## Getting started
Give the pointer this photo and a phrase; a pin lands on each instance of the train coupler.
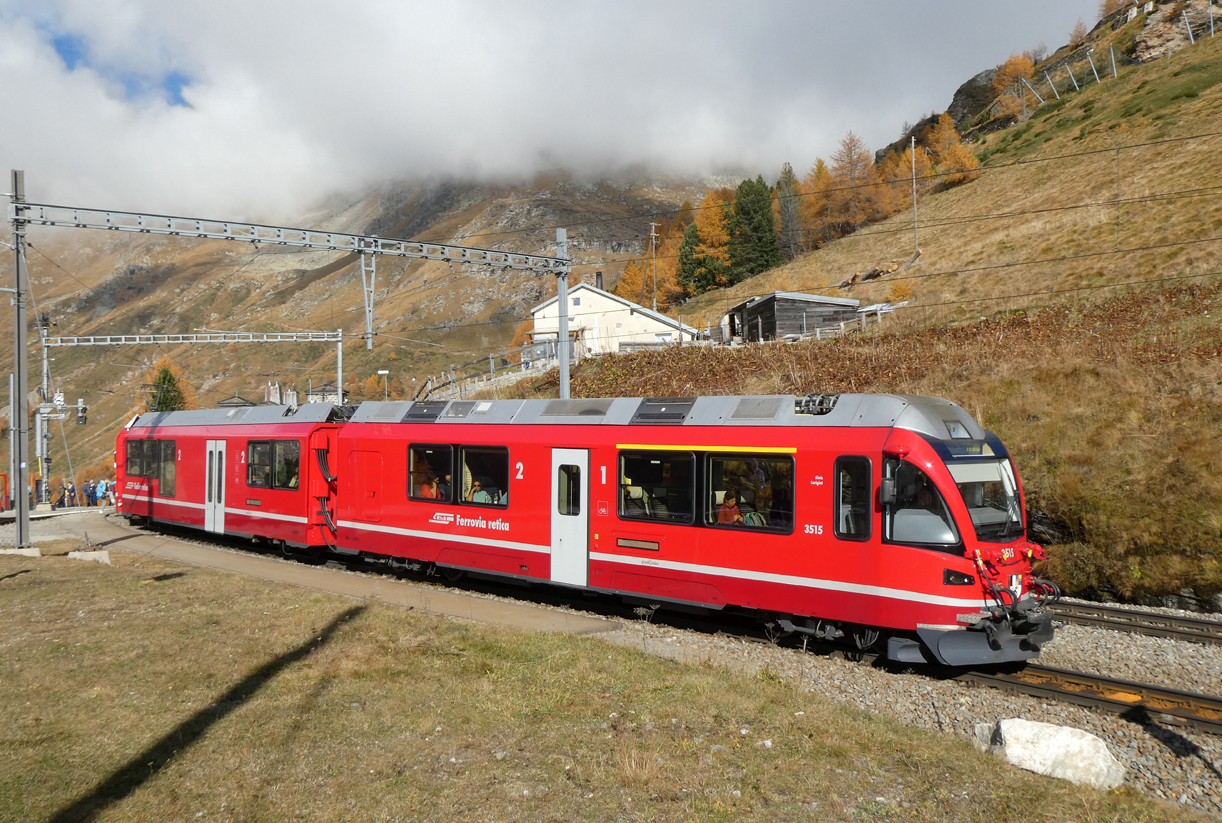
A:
(990, 641)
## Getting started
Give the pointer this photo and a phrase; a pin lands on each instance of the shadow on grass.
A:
(130, 776)
(115, 540)
(15, 574)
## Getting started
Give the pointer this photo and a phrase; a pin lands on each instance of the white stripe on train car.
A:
(162, 501)
(791, 580)
(478, 540)
(286, 518)
(186, 504)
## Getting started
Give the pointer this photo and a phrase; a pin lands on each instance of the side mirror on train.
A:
(886, 491)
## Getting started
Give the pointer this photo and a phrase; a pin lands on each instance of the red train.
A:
(890, 521)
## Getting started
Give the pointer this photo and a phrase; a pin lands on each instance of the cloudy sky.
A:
(255, 109)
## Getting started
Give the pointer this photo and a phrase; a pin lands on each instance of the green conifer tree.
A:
(686, 272)
(753, 236)
(165, 394)
(789, 204)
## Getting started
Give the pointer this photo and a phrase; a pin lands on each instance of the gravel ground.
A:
(1167, 762)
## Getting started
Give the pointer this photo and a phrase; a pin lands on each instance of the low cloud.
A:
(287, 101)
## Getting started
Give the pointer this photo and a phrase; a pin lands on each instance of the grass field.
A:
(146, 691)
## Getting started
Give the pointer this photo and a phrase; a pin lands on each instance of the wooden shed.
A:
(785, 314)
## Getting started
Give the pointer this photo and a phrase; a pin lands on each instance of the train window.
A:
(853, 495)
(135, 458)
(169, 462)
(273, 464)
(286, 463)
(485, 475)
(144, 458)
(430, 469)
(569, 485)
(919, 516)
(657, 486)
(259, 464)
(749, 492)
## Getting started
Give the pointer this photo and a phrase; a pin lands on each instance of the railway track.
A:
(1137, 702)
(1191, 629)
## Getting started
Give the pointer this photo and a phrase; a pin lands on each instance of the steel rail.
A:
(1191, 629)
(1139, 702)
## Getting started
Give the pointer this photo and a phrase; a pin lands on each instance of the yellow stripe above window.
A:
(749, 449)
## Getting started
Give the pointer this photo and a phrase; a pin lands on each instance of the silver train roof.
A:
(931, 416)
(244, 415)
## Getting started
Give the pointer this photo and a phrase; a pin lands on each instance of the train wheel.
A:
(453, 575)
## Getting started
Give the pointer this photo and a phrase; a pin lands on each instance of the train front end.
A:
(950, 488)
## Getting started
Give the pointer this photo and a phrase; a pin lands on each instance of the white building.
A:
(602, 323)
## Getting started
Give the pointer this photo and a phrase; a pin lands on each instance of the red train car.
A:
(241, 471)
(895, 522)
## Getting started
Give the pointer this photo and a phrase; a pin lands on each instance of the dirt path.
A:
(107, 536)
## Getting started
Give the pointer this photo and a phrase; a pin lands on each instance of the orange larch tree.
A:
(857, 196)
(631, 284)
(816, 211)
(712, 253)
(1016, 68)
(958, 166)
(1077, 36)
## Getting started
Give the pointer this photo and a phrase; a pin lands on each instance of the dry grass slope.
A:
(155, 692)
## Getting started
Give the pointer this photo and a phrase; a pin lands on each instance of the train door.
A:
(365, 471)
(570, 516)
(214, 487)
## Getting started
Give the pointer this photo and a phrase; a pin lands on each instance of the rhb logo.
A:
(442, 519)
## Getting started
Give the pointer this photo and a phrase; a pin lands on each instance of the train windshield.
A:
(991, 495)
(918, 516)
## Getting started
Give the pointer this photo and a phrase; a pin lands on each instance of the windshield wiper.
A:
(1010, 518)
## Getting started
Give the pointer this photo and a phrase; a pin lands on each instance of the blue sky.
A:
(73, 50)
(248, 109)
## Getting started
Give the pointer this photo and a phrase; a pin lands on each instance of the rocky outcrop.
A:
(1165, 32)
(971, 98)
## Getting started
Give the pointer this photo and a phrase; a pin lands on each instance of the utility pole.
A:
(562, 305)
(339, 367)
(916, 245)
(42, 417)
(12, 439)
(21, 401)
(653, 245)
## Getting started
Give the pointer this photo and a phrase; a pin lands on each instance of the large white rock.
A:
(1057, 751)
(96, 557)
